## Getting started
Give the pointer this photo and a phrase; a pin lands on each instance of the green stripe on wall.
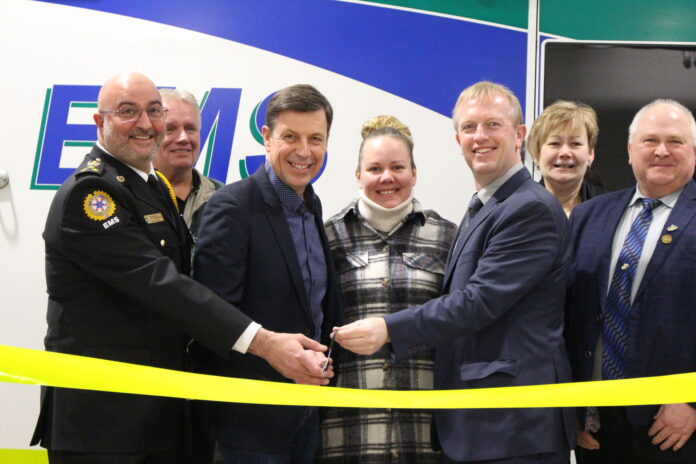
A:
(78, 143)
(640, 20)
(17, 456)
(507, 12)
(83, 104)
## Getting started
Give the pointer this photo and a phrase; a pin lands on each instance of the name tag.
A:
(153, 218)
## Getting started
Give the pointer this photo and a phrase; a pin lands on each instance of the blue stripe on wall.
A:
(423, 58)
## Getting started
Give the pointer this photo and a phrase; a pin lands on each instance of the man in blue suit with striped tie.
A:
(632, 299)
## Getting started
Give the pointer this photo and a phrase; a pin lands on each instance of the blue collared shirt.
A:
(300, 214)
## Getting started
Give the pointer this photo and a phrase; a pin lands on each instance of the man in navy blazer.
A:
(661, 320)
(263, 248)
(499, 320)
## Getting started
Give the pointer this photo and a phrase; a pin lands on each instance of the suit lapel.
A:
(611, 222)
(682, 214)
(463, 235)
(281, 231)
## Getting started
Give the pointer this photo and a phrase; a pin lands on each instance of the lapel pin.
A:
(666, 239)
(672, 228)
(120, 178)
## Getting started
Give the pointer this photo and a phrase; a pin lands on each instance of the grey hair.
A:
(182, 95)
(663, 101)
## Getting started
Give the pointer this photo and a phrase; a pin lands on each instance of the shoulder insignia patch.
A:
(93, 166)
(99, 206)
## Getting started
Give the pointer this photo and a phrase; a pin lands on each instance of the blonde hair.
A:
(387, 126)
(560, 115)
(488, 90)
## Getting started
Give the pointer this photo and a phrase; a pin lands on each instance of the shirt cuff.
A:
(244, 340)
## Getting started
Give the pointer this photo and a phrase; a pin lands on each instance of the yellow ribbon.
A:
(21, 365)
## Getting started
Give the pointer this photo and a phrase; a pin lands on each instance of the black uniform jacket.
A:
(116, 257)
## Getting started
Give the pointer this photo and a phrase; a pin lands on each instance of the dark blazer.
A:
(662, 325)
(499, 323)
(115, 291)
(245, 253)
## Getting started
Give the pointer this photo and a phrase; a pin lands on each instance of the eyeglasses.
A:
(132, 113)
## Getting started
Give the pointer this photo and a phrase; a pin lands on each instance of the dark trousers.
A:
(304, 445)
(73, 457)
(620, 442)
(559, 457)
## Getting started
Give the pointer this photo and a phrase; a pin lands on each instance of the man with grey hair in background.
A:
(631, 307)
(178, 154)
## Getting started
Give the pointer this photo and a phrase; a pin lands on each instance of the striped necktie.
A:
(475, 205)
(617, 308)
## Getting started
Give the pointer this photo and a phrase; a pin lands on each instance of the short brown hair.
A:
(302, 98)
(487, 89)
(559, 115)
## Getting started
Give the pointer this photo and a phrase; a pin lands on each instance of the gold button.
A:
(162, 242)
(388, 410)
(385, 282)
(385, 247)
(624, 266)
(385, 366)
(394, 453)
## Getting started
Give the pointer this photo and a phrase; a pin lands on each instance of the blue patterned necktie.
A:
(618, 304)
(475, 204)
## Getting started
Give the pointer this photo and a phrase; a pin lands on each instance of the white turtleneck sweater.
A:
(383, 219)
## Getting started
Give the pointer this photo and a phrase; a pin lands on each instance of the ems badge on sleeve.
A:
(99, 206)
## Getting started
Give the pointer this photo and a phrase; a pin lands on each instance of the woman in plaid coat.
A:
(390, 254)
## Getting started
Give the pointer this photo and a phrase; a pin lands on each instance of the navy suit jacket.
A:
(662, 337)
(499, 323)
(245, 254)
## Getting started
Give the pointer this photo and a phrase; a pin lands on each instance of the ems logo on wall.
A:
(68, 132)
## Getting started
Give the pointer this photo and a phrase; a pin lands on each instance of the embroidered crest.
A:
(99, 206)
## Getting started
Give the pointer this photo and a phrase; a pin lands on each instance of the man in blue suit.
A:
(263, 248)
(499, 320)
(632, 298)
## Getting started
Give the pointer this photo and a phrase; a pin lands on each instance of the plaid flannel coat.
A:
(381, 274)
